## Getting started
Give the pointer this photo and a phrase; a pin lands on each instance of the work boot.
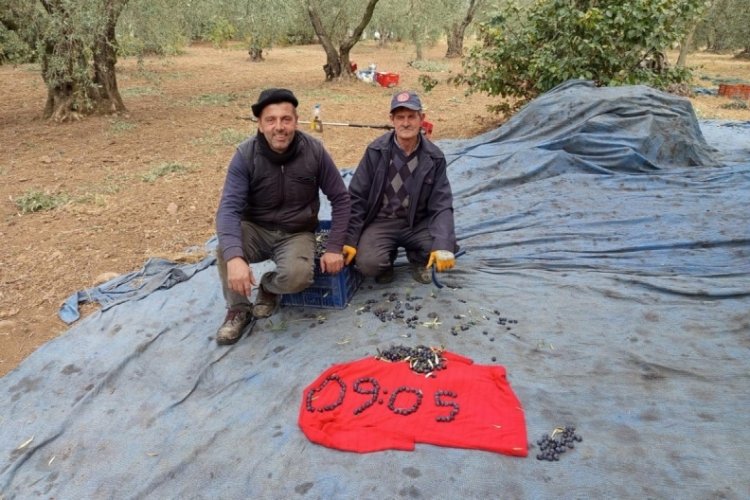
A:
(234, 324)
(421, 273)
(265, 304)
(385, 277)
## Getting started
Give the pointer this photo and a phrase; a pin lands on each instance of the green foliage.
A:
(215, 99)
(225, 137)
(429, 66)
(152, 28)
(136, 91)
(427, 82)
(231, 137)
(39, 201)
(257, 22)
(725, 26)
(736, 104)
(221, 32)
(120, 126)
(13, 49)
(164, 169)
(67, 46)
(526, 52)
(21, 23)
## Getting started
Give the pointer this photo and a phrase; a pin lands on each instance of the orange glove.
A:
(349, 254)
(442, 260)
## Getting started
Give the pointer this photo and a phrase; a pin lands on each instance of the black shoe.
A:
(265, 304)
(234, 324)
(422, 274)
(385, 277)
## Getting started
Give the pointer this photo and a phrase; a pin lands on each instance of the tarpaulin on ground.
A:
(607, 269)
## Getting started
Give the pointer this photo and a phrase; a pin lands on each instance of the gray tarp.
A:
(597, 218)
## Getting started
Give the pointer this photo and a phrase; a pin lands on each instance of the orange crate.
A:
(739, 90)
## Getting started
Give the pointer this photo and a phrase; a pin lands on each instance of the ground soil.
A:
(189, 111)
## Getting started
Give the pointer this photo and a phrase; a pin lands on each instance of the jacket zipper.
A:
(281, 195)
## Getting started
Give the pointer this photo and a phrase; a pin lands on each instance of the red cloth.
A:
(489, 416)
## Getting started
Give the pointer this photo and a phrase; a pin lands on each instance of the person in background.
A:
(401, 197)
(269, 210)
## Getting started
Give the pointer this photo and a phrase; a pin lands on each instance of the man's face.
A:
(277, 123)
(407, 123)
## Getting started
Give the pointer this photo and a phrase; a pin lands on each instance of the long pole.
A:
(333, 124)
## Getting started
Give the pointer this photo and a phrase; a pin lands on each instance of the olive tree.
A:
(725, 27)
(20, 28)
(455, 29)
(421, 22)
(525, 52)
(261, 24)
(339, 26)
(78, 53)
(149, 27)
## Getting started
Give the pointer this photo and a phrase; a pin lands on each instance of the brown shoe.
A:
(265, 304)
(422, 274)
(385, 277)
(234, 324)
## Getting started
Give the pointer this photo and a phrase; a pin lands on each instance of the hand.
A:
(442, 259)
(239, 276)
(349, 254)
(331, 262)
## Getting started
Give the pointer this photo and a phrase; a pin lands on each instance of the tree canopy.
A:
(527, 51)
(725, 27)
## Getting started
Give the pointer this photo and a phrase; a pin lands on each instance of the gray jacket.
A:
(431, 195)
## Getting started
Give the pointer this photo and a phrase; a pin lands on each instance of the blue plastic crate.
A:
(328, 291)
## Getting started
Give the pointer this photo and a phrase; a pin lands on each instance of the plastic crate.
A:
(387, 79)
(328, 291)
(737, 91)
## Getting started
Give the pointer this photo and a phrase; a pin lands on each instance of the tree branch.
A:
(350, 41)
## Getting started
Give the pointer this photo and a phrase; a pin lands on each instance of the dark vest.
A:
(285, 196)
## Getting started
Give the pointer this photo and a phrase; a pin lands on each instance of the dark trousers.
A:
(381, 239)
(293, 253)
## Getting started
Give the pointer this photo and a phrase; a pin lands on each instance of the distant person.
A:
(401, 197)
(269, 210)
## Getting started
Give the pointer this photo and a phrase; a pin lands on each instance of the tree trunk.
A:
(457, 31)
(76, 84)
(685, 46)
(455, 42)
(416, 34)
(104, 91)
(337, 64)
(417, 41)
(256, 53)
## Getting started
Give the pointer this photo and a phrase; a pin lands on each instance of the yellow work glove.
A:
(442, 260)
(349, 254)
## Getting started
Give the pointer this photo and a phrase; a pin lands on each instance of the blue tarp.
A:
(608, 223)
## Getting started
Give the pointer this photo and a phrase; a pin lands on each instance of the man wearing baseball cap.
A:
(401, 197)
(269, 210)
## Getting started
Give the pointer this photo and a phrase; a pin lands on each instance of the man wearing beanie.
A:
(269, 210)
(401, 197)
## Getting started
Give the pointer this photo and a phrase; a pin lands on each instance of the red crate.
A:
(740, 90)
(386, 79)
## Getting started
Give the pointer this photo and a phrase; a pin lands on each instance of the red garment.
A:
(488, 417)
